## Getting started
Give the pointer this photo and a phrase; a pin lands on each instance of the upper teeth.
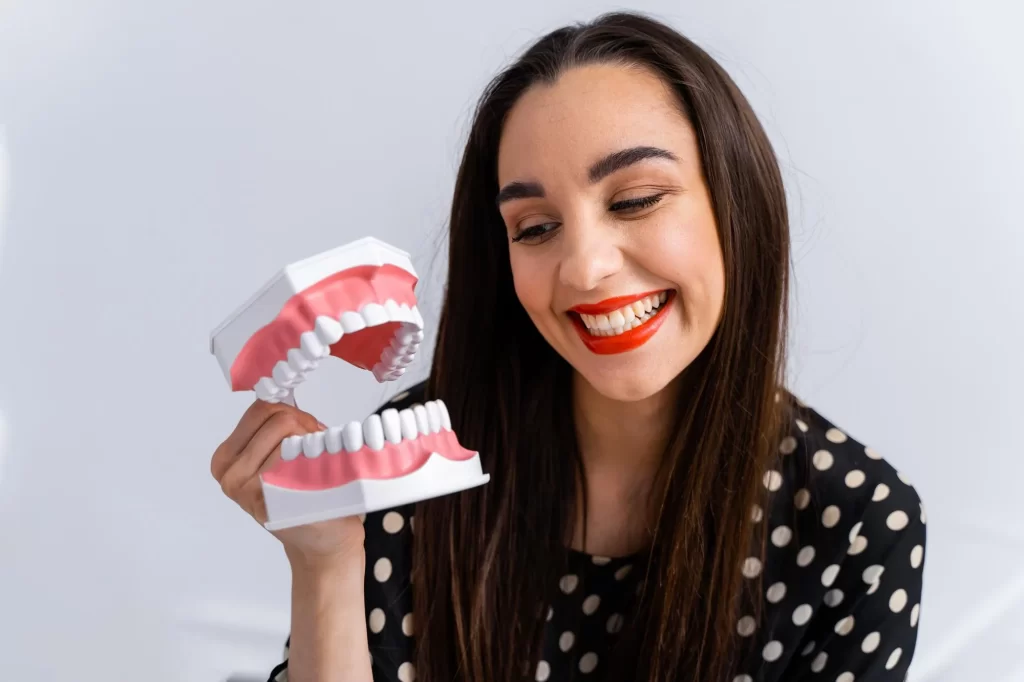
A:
(316, 344)
(625, 318)
(390, 426)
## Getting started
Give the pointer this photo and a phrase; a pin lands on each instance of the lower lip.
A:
(626, 341)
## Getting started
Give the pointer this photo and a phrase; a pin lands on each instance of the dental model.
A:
(355, 302)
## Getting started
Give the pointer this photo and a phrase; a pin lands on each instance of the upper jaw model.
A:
(357, 303)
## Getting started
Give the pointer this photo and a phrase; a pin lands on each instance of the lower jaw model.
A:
(357, 303)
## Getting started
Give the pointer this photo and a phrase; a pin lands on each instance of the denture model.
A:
(355, 302)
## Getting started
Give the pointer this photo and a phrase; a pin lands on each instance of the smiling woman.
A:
(612, 343)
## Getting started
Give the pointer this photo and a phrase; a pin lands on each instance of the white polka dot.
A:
(802, 614)
(772, 480)
(743, 678)
(788, 445)
(845, 626)
(874, 588)
(802, 425)
(897, 520)
(551, 613)
(566, 641)
(382, 569)
(781, 536)
(393, 522)
(881, 492)
(756, 513)
(858, 545)
(855, 530)
(776, 593)
(830, 517)
(807, 649)
(916, 555)
(845, 677)
(833, 598)
(903, 477)
(600, 560)
(924, 516)
(873, 573)
(818, 664)
(376, 620)
(568, 583)
(772, 650)
(834, 435)
(855, 479)
(614, 623)
(543, 671)
(822, 460)
(802, 498)
(805, 556)
(412, 524)
(623, 572)
(746, 626)
(914, 614)
(829, 575)
(751, 567)
(894, 658)
(588, 662)
(406, 673)
(870, 642)
(872, 453)
(898, 600)
(590, 604)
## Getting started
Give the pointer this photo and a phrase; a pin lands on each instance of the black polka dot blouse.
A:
(842, 576)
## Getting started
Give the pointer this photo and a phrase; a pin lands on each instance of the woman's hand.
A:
(255, 446)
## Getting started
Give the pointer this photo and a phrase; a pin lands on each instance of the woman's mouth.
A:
(621, 324)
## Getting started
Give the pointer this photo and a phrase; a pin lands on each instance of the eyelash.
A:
(625, 205)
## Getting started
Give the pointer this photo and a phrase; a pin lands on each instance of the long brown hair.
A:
(486, 561)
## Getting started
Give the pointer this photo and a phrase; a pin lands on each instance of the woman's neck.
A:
(621, 444)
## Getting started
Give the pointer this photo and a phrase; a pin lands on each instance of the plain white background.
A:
(165, 158)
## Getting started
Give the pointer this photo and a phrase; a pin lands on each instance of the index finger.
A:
(255, 416)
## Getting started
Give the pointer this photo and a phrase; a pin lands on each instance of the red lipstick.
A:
(628, 340)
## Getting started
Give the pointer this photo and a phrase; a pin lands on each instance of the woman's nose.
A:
(588, 257)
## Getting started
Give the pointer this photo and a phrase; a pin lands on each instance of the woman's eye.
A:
(640, 203)
(534, 232)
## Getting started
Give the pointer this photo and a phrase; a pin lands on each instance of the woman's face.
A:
(614, 249)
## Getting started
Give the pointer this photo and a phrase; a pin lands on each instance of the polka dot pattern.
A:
(837, 573)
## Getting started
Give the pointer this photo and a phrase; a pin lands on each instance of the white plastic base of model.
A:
(287, 508)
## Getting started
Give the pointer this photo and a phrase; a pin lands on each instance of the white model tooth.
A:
(352, 436)
(313, 444)
(433, 416)
(422, 422)
(333, 440)
(408, 421)
(406, 312)
(417, 319)
(392, 425)
(284, 375)
(446, 419)
(352, 322)
(405, 360)
(407, 335)
(374, 314)
(373, 432)
(312, 347)
(388, 357)
(393, 310)
(291, 447)
(266, 389)
(327, 330)
(299, 362)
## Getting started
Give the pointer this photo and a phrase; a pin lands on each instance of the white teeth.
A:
(394, 311)
(313, 444)
(408, 421)
(638, 309)
(299, 362)
(392, 425)
(374, 314)
(291, 447)
(352, 322)
(284, 375)
(616, 320)
(311, 346)
(625, 318)
(328, 330)
(663, 296)
(373, 432)
(433, 417)
(446, 420)
(422, 421)
(333, 440)
(266, 389)
(352, 436)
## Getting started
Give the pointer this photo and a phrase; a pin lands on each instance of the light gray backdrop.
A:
(165, 158)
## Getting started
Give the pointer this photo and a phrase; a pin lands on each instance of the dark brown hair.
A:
(486, 561)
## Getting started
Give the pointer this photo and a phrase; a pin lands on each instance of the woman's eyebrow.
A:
(597, 172)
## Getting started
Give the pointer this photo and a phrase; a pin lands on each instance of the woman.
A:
(659, 507)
